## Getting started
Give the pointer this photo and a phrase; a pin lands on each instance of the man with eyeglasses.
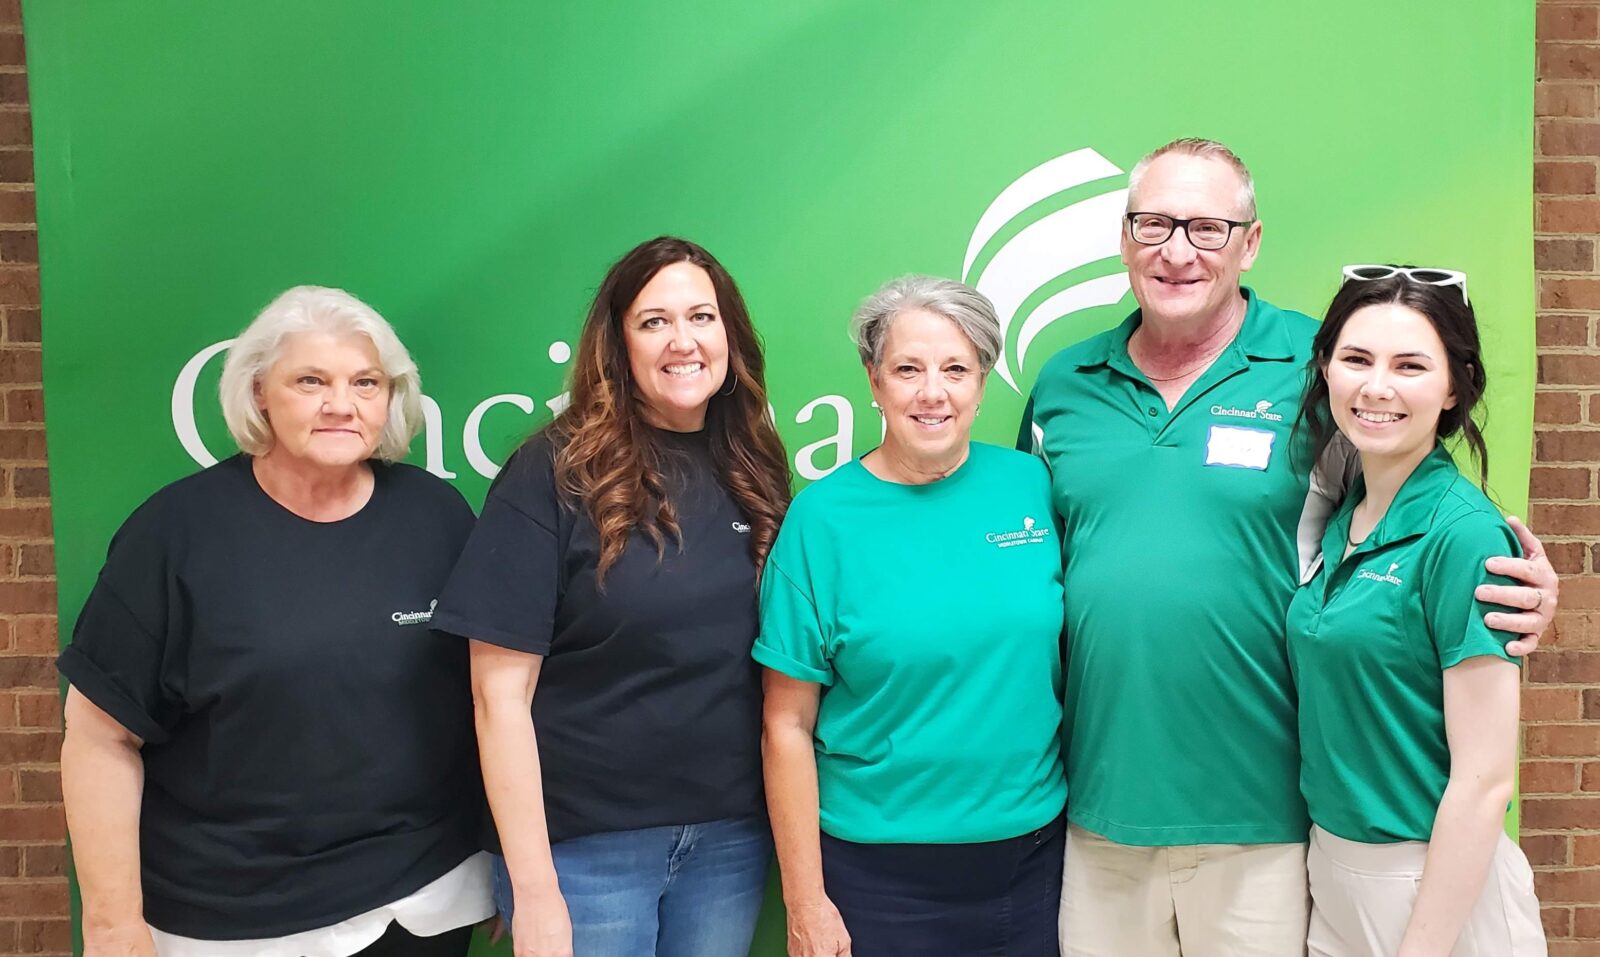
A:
(1188, 510)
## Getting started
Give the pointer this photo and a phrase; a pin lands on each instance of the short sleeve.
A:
(792, 640)
(504, 587)
(129, 645)
(1453, 572)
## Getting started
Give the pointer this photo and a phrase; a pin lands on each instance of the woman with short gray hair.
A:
(911, 733)
(268, 754)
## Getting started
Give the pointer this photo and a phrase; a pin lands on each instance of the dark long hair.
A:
(607, 458)
(1451, 317)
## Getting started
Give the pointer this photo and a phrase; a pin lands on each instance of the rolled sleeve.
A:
(792, 639)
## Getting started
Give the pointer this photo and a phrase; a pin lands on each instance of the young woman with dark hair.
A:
(609, 592)
(1407, 700)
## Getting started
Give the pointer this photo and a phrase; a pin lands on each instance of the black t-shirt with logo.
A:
(309, 751)
(648, 708)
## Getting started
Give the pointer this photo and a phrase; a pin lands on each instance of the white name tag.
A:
(1240, 448)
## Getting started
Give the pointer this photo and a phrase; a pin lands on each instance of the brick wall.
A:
(1561, 698)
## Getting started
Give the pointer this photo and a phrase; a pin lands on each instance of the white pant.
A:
(1193, 900)
(1362, 895)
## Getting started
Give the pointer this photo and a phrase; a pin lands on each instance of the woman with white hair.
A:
(267, 752)
(911, 617)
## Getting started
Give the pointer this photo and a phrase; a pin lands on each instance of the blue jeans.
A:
(692, 890)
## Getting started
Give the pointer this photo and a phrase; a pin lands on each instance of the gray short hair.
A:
(969, 309)
(1205, 149)
(333, 312)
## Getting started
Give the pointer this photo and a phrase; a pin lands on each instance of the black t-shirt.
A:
(309, 751)
(648, 708)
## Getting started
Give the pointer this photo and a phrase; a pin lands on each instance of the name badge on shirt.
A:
(1235, 447)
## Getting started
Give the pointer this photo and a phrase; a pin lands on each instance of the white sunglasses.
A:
(1425, 275)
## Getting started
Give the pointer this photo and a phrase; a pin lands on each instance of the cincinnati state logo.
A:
(1028, 534)
(1041, 262)
(1261, 411)
(414, 617)
(1387, 577)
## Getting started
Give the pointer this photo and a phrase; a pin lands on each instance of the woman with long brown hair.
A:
(609, 592)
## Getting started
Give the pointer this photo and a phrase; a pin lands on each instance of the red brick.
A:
(1545, 850)
(1554, 369)
(1574, 61)
(1548, 482)
(10, 861)
(1557, 137)
(35, 899)
(39, 561)
(39, 597)
(39, 710)
(1557, 408)
(8, 788)
(25, 522)
(1554, 293)
(1567, 23)
(1554, 329)
(1554, 666)
(22, 325)
(1589, 776)
(44, 860)
(39, 787)
(45, 936)
(22, 246)
(1557, 921)
(1563, 99)
(1577, 628)
(11, 12)
(1567, 886)
(41, 823)
(1566, 557)
(1558, 255)
(36, 634)
(25, 405)
(1540, 777)
(31, 483)
(1561, 178)
(1586, 922)
(1579, 595)
(1560, 740)
(21, 366)
(1568, 446)
(1550, 704)
(1557, 215)
(16, 166)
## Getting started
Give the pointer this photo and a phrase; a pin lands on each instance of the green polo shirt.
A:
(931, 616)
(1180, 533)
(1370, 637)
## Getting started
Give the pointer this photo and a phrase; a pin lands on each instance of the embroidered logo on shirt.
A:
(1259, 412)
(741, 527)
(1026, 535)
(1387, 576)
(414, 617)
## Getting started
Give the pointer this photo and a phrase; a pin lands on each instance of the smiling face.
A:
(928, 385)
(326, 399)
(677, 347)
(1388, 382)
(1174, 282)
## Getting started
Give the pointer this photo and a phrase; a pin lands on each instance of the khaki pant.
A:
(1199, 900)
(1362, 896)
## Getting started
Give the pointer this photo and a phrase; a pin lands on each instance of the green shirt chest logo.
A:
(1387, 577)
(1028, 534)
(1261, 412)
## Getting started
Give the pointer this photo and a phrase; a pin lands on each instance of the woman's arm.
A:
(789, 763)
(102, 784)
(1480, 713)
(503, 682)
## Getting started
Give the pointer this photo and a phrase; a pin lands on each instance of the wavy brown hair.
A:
(608, 458)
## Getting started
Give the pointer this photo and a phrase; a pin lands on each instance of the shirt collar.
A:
(1260, 336)
(1411, 513)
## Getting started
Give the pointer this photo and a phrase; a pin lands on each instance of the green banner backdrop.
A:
(471, 170)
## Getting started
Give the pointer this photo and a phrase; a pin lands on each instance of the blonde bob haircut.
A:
(333, 312)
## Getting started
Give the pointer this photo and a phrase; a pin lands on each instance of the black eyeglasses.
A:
(1206, 232)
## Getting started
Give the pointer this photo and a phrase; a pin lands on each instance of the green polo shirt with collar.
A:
(1370, 637)
(1180, 545)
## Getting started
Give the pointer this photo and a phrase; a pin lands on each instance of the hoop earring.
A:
(735, 387)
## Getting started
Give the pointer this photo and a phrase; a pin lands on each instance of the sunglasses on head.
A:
(1426, 275)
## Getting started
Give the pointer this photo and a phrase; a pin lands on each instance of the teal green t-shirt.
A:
(1370, 637)
(1182, 533)
(931, 616)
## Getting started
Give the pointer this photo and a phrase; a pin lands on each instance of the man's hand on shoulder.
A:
(1536, 594)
